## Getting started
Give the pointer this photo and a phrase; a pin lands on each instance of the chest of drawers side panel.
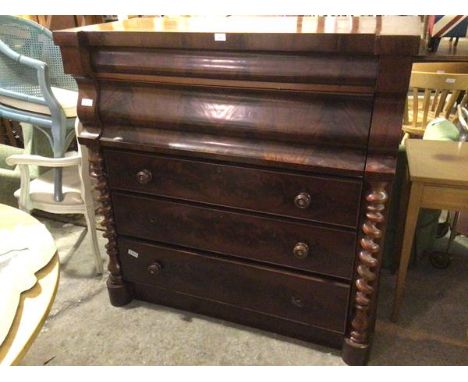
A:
(384, 137)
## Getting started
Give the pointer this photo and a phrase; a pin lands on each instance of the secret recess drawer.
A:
(321, 199)
(297, 245)
(311, 68)
(304, 299)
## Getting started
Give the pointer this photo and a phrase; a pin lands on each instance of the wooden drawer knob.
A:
(144, 176)
(155, 268)
(302, 200)
(297, 301)
(301, 250)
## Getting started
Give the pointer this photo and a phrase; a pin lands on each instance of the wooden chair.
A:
(435, 90)
(39, 193)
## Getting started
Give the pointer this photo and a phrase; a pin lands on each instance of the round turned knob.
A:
(302, 200)
(297, 301)
(154, 268)
(301, 250)
(144, 176)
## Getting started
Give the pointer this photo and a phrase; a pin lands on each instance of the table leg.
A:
(400, 223)
(453, 231)
(410, 227)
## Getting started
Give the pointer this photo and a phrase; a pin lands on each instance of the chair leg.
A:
(91, 224)
(75, 246)
(404, 139)
(23, 207)
(58, 194)
(58, 141)
(88, 202)
(453, 231)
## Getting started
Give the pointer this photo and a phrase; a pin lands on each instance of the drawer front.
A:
(319, 199)
(315, 118)
(297, 245)
(311, 68)
(282, 294)
(444, 197)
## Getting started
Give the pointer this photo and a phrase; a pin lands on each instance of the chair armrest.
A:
(7, 151)
(27, 159)
(42, 70)
(28, 61)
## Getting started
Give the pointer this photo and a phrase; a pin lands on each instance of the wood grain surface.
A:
(238, 156)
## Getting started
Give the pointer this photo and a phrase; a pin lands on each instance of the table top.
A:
(379, 25)
(33, 309)
(29, 273)
(367, 35)
(438, 162)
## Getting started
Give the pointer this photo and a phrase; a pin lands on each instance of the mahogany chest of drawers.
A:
(244, 165)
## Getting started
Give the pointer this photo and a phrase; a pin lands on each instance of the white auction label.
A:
(220, 36)
(86, 102)
(133, 253)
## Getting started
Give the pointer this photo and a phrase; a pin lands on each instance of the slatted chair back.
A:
(435, 91)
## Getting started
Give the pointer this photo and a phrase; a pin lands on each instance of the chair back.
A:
(32, 40)
(435, 90)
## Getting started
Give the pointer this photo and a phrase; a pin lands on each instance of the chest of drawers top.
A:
(281, 91)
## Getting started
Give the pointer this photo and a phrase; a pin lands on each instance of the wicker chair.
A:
(33, 86)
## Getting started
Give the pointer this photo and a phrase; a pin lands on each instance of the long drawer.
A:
(298, 298)
(311, 68)
(321, 199)
(297, 245)
(296, 117)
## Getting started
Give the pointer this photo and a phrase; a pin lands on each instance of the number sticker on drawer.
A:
(133, 253)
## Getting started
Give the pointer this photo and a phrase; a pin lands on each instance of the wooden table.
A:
(438, 174)
(32, 306)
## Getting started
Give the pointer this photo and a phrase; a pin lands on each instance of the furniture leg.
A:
(453, 231)
(410, 227)
(91, 224)
(9, 131)
(402, 208)
(58, 136)
(58, 196)
(90, 216)
(76, 245)
(356, 344)
(119, 291)
(441, 259)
